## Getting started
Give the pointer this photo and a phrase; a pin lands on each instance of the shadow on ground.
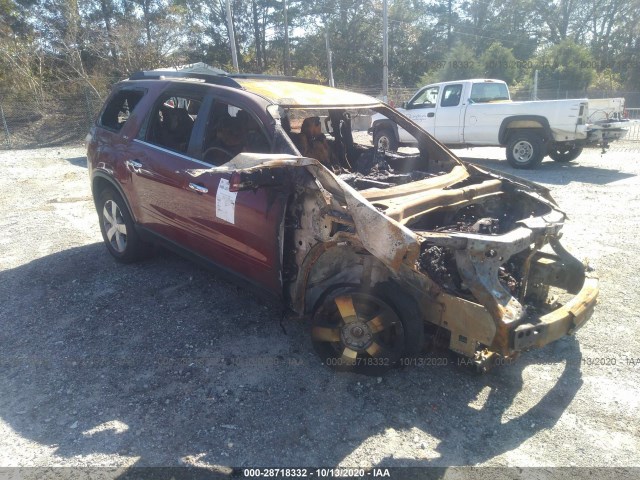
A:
(555, 173)
(78, 161)
(165, 363)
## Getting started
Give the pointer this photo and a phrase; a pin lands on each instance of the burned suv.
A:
(275, 180)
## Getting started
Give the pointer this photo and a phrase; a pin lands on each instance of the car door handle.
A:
(431, 114)
(198, 188)
(134, 165)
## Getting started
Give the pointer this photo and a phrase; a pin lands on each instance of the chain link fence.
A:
(63, 113)
(54, 117)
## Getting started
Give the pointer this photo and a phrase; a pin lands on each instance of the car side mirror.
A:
(404, 105)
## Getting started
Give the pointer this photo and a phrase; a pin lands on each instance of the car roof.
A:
(469, 80)
(288, 92)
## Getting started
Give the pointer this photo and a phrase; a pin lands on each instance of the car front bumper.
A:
(560, 322)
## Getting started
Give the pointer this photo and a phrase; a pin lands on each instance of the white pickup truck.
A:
(479, 112)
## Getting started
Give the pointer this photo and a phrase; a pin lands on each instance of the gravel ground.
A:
(163, 363)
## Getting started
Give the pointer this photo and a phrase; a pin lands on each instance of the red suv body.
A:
(270, 180)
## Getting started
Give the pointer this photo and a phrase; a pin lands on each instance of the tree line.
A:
(573, 45)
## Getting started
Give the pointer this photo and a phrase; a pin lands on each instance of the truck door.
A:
(422, 110)
(448, 121)
(482, 117)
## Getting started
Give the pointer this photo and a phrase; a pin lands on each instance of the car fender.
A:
(102, 176)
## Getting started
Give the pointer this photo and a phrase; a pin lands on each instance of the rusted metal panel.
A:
(295, 94)
(562, 321)
(492, 319)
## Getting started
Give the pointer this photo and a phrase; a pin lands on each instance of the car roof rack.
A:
(227, 80)
(218, 79)
(282, 78)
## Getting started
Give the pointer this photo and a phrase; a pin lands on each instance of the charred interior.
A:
(329, 136)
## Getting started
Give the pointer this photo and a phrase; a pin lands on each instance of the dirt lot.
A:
(164, 363)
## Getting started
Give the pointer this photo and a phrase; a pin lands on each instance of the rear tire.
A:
(564, 153)
(525, 150)
(366, 331)
(118, 229)
(385, 140)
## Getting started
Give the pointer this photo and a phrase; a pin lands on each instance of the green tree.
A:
(565, 67)
(499, 62)
(459, 64)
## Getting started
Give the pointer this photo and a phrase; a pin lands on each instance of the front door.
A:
(422, 110)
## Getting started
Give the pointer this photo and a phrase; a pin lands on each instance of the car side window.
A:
(231, 130)
(451, 95)
(425, 99)
(119, 108)
(171, 122)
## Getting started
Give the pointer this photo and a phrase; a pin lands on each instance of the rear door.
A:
(186, 202)
(448, 124)
(482, 118)
(157, 160)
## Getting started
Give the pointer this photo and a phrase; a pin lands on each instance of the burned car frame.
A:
(379, 252)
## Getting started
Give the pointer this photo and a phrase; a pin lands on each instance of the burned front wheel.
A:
(362, 331)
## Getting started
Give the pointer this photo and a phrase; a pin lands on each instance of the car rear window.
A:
(119, 108)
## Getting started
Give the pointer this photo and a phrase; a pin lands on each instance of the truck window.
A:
(451, 95)
(117, 111)
(425, 99)
(489, 92)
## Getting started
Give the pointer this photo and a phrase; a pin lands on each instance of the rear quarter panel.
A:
(483, 120)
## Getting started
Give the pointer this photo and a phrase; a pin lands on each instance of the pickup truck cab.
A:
(480, 112)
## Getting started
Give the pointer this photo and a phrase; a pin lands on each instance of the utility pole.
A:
(534, 94)
(385, 51)
(287, 57)
(449, 26)
(232, 37)
(329, 58)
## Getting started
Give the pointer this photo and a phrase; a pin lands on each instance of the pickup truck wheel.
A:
(564, 154)
(118, 230)
(525, 150)
(385, 140)
(366, 332)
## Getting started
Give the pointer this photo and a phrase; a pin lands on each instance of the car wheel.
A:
(384, 140)
(118, 230)
(525, 150)
(366, 331)
(565, 153)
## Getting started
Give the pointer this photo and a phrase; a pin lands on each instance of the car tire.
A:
(564, 153)
(525, 150)
(385, 140)
(366, 331)
(118, 229)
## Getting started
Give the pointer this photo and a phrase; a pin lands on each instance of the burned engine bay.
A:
(480, 249)
(432, 196)
(492, 216)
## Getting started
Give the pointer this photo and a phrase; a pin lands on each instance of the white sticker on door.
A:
(225, 202)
